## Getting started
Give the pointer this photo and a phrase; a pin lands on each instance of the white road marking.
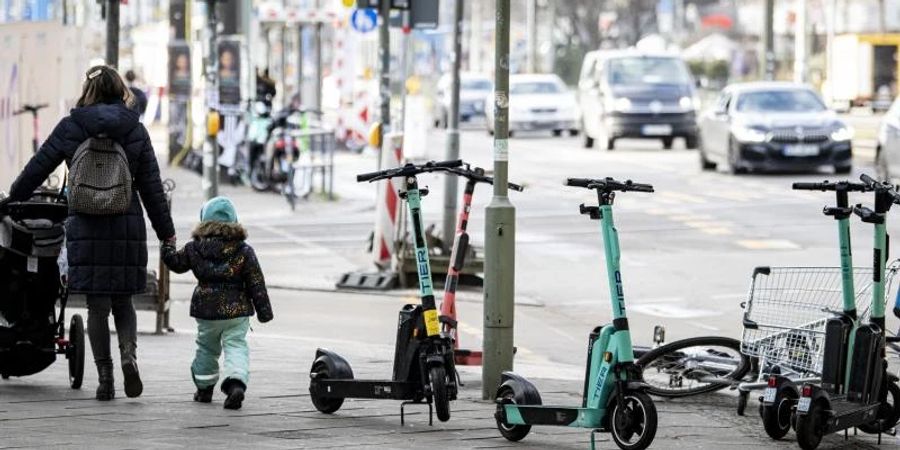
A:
(673, 311)
(768, 244)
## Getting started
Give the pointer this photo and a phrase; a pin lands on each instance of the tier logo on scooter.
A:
(620, 295)
(422, 259)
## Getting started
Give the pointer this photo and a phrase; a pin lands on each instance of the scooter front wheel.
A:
(512, 433)
(324, 405)
(888, 412)
(810, 427)
(439, 392)
(633, 421)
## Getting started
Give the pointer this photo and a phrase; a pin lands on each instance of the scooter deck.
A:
(467, 357)
(844, 414)
(375, 389)
(565, 416)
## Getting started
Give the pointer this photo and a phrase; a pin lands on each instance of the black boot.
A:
(133, 385)
(107, 388)
(204, 395)
(235, 391)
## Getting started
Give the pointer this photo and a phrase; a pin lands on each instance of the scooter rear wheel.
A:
(512, 433)
(777, 416)
(633, 424)
(324, 405)
(810, 427)
(438, 378)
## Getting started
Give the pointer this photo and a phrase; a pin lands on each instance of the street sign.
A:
(364, 20)
(423, 15)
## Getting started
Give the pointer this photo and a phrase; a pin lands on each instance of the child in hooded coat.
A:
(230, 286)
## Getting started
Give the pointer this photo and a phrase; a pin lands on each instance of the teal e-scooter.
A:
(777, 404)
(857, 396)
(613, 399)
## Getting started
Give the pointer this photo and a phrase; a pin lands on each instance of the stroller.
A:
(31, 333)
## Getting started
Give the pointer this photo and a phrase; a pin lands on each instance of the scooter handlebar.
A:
(609, 184)
(872, 184)
(452, 164)
(830, 186)
(409, 170)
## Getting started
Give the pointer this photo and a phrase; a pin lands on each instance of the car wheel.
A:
(573, 132)
(557, 133)
(734, 160)
(509, 133)
(667, 143)
(610, 144)
(692, 142)
(588, 141)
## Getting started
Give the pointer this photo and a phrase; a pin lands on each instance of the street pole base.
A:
(368, 281)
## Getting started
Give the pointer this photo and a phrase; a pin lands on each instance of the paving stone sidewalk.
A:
(42, 412)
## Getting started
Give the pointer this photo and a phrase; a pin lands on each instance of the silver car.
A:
(888, 146)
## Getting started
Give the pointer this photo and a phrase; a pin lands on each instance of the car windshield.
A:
(647, 70)
(535, 87)
(475, 85)
(781, 100)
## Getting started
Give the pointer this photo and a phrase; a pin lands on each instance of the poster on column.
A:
(179, 70)
(229, 72)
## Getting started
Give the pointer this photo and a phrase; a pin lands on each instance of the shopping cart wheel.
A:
(743, 398)
(75, 351)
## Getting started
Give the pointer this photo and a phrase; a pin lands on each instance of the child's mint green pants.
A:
(214, 336)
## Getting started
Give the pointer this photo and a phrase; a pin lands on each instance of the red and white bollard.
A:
(387, 210)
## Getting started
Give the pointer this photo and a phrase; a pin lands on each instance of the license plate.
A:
(656, 130)
(801, 150)
(803, 405)
(769, 395)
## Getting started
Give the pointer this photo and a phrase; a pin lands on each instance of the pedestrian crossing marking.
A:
(768, 244)
(682, 197)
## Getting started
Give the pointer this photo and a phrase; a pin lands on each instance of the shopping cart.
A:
(785, 316)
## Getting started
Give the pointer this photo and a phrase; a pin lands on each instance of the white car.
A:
(538, 102)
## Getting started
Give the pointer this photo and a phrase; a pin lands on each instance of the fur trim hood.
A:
(222, 230)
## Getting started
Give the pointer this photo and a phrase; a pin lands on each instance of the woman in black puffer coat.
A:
(107, 255)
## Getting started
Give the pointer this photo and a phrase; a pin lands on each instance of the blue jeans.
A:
(214, 336)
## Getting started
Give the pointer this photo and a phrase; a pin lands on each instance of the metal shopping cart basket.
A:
(785, 314)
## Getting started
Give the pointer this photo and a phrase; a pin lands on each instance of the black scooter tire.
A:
(438, 378)
(647, 360)
(513, 433)
(650, 418)
(259, 179)
(889, 414)
(777, 417)
(810, 427)
(324, 405)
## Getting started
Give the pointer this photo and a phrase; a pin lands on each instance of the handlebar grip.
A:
(810, 186)
(577, 182)
(639, 187)
(516, 187)
(368, 176)
(867, 180)
(448, 164)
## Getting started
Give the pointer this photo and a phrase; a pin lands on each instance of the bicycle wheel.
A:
(693, 366)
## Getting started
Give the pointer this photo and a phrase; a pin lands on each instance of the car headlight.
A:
(748, 134)
(843, 133)
(686, 103)
(622, 104)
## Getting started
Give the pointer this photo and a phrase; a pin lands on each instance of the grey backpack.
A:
(99, 178)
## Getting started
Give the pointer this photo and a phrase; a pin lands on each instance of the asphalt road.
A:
(688, 250)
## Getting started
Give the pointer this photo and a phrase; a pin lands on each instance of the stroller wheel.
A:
(75, 351)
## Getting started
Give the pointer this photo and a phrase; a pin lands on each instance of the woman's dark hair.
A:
(103, 84)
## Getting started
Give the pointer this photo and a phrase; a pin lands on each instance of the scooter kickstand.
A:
(593, 440)
(403, 412)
